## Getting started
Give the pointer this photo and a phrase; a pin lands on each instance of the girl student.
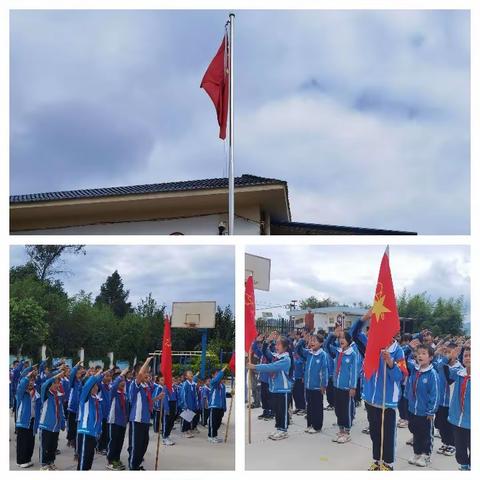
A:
(190, 401)
(161, 405)
(204, 394)
(89, 420)
(280, 385)
(76, 374)
(217, 405)
(345, 377)
(117, 421)
(315, 380)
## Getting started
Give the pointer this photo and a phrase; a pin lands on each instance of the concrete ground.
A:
(303, 451)
(188, 453)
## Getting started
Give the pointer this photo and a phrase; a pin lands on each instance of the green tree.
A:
(113, 294)
(314, 302)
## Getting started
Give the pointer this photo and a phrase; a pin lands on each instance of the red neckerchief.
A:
(417, 376)
(57, 409)
(149, 398)
(463, 390)
(121, 398)
(339, 362)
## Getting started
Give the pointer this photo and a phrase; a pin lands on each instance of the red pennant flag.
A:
(250, 327)
(231, 364)
(166, 362)
(385, 323)
(215, 82)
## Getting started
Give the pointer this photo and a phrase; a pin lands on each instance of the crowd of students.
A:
(427, 381)
(97, 408)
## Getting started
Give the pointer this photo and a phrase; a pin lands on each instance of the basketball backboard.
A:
(259, 267)
(193, 314)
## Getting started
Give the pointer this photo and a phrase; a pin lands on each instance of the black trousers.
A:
(215, 416)
(374, 415)
(169, 420)
(48, 446)
(138, 437)
(25, 444)
(422, 430)
(444, 426)
(330, 393)
(265, 397)
(344, 408)
(72, 427)
(86, 451)
(116, 437)
(314, 409)
(403, 406)
(205, 414)
(279, 402)
(103, 440)
(462, 445)
(358, 391)
(299, 394)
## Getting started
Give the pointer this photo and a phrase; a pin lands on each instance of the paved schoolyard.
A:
(303, 451)
(188, 454)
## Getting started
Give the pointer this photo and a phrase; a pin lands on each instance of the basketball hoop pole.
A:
(203, 362)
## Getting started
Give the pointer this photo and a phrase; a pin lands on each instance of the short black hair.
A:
(428, 348)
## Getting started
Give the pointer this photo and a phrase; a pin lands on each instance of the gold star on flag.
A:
(379, 309)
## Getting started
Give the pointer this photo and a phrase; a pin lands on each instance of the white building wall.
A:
(203, 225)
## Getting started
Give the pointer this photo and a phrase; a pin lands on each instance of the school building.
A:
(195, 207)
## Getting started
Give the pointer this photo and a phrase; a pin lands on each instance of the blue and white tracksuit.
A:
(217, 404)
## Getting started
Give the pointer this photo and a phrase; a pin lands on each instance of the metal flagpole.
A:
(231, 173)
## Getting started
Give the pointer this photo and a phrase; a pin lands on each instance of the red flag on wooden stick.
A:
(215, 83)
(250, 327)
(231, 364)
(166, 362)
(384, 323)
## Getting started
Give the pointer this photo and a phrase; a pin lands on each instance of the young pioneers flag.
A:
(231, 364)
(215, 83)
(250, 327)
(384, 323)
(166, 363)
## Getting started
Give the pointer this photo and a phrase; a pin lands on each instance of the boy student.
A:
(372, 394)
(52, 419)
(89, 420)
(422, 392)
(459, 412)
(204, 394)
(161, 405)
(76, 374)
(316, 380)
(117, 421)
(190, 402)
(104, 394)
(141, 408)
(298, 391)
(217, 404)
(280, 385)
(345, 377)
(28, 414)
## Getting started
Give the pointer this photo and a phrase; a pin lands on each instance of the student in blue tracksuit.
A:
(117, 422)
(315, 380)
(280, 385)
(217, 404)
(345, 377)
(298, 391)
(28, 414)
(372, 394)
(190, 400)
(104, 394)
(423, 395)
(89, 421)
(443, 361)
(52, 419)
(164, 409)
(459, 411)
(141, 408)
(76, 374)
(204, 394)
(258, 349)
(405, 340)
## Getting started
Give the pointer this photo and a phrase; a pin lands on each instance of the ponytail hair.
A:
(286, 345)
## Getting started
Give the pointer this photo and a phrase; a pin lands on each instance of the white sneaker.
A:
(188, 434)
(423, 461)
(402, 423)
(344, 438)
(45, 467)
(279, 435)
(312, 430)
(167, 441)
(25, 465)
(409, 441)
(307, 430)
(413, 460)
(337, 436)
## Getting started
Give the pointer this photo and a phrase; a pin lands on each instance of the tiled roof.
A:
(189, 185)
(298, 228)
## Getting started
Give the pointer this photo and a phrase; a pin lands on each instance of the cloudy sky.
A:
(364, 113)
(349, 273)
(170, 273)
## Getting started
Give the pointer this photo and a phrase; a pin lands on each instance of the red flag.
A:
(385, 323)
(250, 327)
(231, 364)
(215, 82)
(166, 363)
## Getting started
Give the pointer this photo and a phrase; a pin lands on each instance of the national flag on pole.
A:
(250, 327)
(166, 362)
(384, 323)
(215, 82)
(231, 364)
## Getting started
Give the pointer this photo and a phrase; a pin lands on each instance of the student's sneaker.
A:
(111, 466)
(167, 441)
(366, 430)
(437, 434)
(442, 449)
(423, 461)
(196, 430)
(58, 452)
(344, 438)
(270, 435)
(374, 467)
(449, 451)
(25, 465)
(188, 434)
(103, 452)
(45, 467)
(409, 441)
(307, 430)
(329, 408)
(464, 467)
(262, 416)
(295, 412)
(52, 466)
(75, 457)
(121, 465)
(279, 435)
(402, 423)
(336, 437)
(385, 467)
(413, 460)
(312, 430)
